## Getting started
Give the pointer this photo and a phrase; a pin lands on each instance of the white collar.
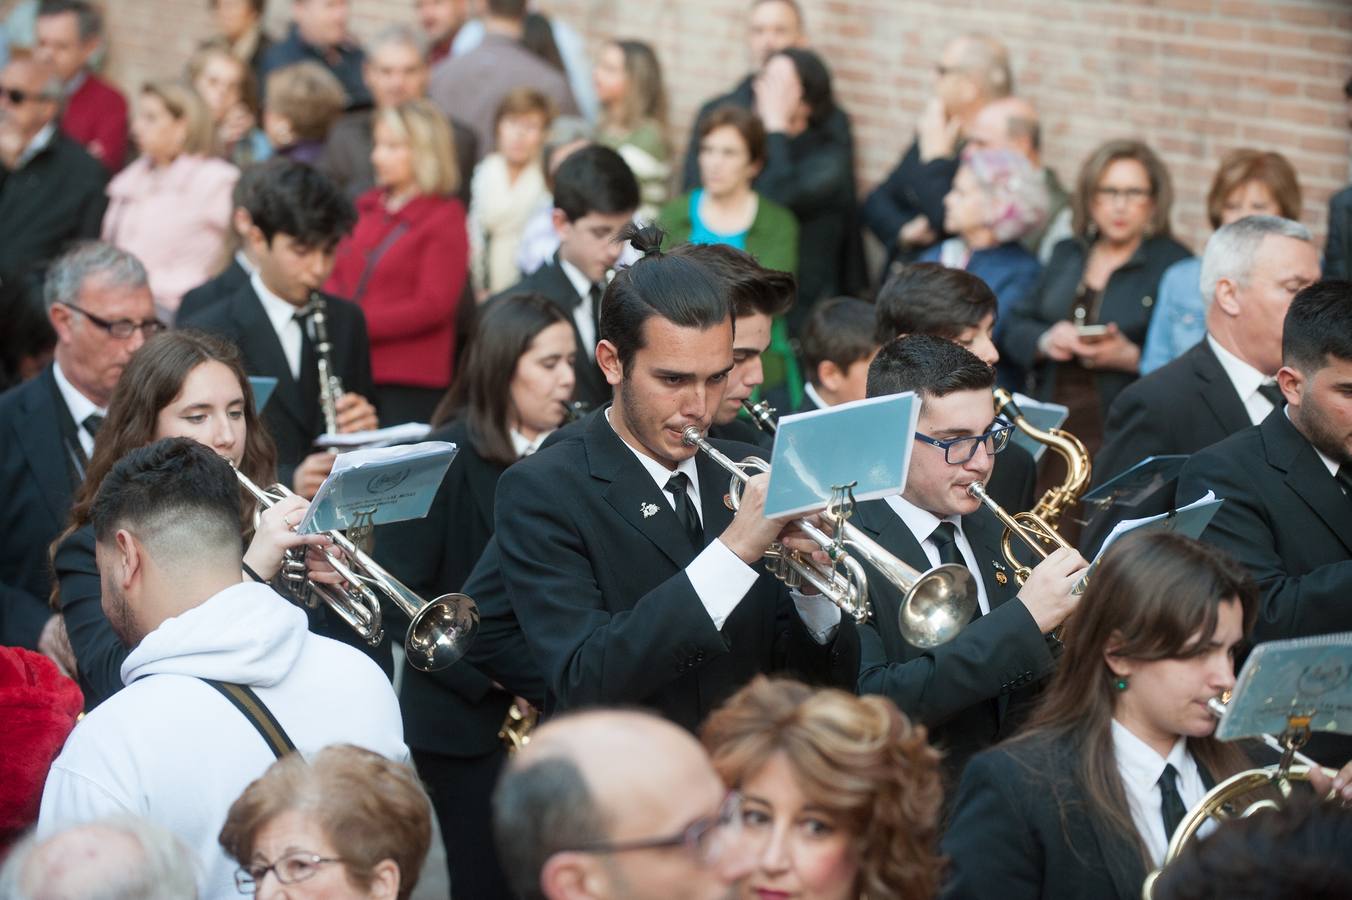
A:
(37, 144)
(72, 87)
(659, 473)
(580, 282)
(920, 522)
(245, 263)
(1141, 764)
(1243, 376)
(80, 406)
(1329, 462)
(523, 445)
(279, 311)
(815, 397)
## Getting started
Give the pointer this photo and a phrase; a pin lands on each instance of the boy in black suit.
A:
(837, 344)
(297, 218)
(962, 690)
(595, 195)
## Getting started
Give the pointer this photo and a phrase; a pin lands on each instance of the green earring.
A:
(1121, 683)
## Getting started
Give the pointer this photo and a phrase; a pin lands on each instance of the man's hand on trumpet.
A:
(1049, 592)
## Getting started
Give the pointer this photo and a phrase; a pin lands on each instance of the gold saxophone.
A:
(1061, 497)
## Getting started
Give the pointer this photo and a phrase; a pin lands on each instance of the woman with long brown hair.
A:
(180, 384)
(1080, 804)
(840, 794)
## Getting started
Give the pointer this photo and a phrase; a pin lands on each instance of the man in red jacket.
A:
(68, 33)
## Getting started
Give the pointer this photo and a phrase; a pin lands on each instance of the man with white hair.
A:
(1251, 270)
(121, 858)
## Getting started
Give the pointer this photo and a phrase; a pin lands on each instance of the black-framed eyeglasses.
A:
(289, 869)
(959, 450)
(1132, 196)
(705, 838)
(122, 328)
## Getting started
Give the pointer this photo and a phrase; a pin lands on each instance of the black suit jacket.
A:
(230, 281)
(292, 416)
(56, 198)
(594, 558)
(550, 281)
(1021, 831)
(913, 188)
(1287, 521)
(1338, 247)
(98, 650)
(455, 711)
(968, 692)
(41, 463)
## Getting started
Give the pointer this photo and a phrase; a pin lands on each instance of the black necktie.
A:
(92, 423)
(678, 486)
(1172, 809)
(945, 538)
(597, 290)
(1272, 393)
(1344, 477)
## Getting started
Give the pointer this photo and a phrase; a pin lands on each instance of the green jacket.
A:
(772, 238)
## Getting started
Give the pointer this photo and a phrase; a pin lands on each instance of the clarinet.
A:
(330, 386)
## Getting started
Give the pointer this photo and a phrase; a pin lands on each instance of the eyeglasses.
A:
(706, 839)
(1132, 196)
(122, 328)
(289, 869)
(958, 450)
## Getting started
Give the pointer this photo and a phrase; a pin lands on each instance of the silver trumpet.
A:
(936, 604)
(439, 631)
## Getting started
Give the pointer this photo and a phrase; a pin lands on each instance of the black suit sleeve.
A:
(588, 654)
(805, 188)
(1132, 431)
(500, 650)
(98, 651)
(1247, 529)
(22, 617)
(997, 654)
(1339, 242)
(989, 841)
(91, 216)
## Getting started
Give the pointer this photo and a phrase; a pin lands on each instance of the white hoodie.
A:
(171, 749)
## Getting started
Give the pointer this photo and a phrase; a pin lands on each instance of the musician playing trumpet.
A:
(970, 691)
(632, 579)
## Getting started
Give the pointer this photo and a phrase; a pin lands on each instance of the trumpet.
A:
(762, 415)
(1029, 527)
(439, 631)
(936, 604)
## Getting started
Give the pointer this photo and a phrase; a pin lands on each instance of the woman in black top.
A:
(513, 391)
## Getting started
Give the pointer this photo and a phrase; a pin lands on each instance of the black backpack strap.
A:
(246, 701)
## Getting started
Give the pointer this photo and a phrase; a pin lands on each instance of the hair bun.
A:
(646, 239)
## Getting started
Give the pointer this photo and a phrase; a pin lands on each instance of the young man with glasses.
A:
(968, 691)
(618, 804)
(99, 304)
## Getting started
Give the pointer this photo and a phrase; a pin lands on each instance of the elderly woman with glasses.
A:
(347, 824)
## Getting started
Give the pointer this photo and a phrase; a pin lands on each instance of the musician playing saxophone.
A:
(297, 216)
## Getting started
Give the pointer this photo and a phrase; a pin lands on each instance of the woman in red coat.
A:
(406, 261)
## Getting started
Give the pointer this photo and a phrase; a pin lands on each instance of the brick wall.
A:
(1194, 78)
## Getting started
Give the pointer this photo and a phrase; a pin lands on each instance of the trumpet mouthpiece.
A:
(692, 435)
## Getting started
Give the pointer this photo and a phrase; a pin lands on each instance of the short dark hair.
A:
(1318, 325)
(259, 6)
(539, 810)
(839, 330)
(88, 15)
(175, 488)
(675, 287)
(742, 120)
(815, 80)
(1296, 850)
(507, 9)
(750, 287)
(929, 298)
(928, 365)
(594, 179)
(298, 200)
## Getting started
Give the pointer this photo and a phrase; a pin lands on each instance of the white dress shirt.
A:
(718, 575)
(815, 397)
(524, 446)
(583, 316)
(282, 315)
(1141, 767)
(922, 523)
(245, 263)
(1246, 380)
(80, 406)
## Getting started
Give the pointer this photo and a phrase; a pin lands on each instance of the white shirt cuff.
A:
(721, 580)
(819, 615)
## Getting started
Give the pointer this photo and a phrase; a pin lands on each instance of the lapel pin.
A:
(1001, 578)
(648, 509)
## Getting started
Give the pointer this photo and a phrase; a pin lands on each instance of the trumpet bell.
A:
(938, 606)
(441, 632)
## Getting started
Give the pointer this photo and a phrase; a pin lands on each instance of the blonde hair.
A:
(184, 104)
(430, 143)
(645, 97)
(858, 758)
(370, 808)
(308, 96)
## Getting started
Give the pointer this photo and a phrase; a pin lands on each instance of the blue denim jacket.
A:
(1180, 315)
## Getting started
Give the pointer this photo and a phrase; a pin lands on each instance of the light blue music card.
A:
(263, 386)
(379, 485)
(867, 442)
